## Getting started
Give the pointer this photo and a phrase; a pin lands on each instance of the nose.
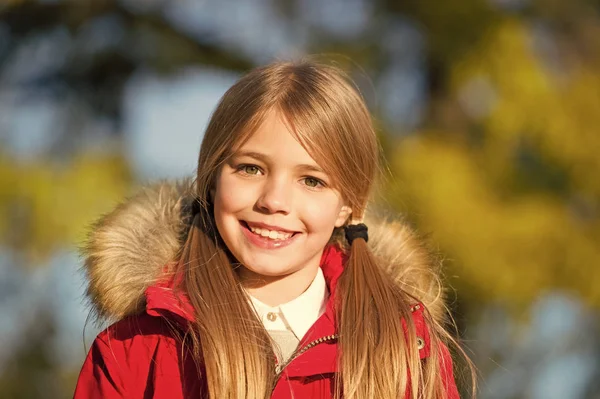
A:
(275, 197)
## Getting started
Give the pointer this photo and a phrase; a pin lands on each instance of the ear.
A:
(345, 212)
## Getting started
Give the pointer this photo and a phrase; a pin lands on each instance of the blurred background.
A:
(488, 111)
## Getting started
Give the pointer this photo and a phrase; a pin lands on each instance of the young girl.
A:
(256, 280)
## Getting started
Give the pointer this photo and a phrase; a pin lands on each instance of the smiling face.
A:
(274, 207)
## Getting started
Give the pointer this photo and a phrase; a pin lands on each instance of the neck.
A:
(276, 290)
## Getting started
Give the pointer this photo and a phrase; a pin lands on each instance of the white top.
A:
(299, 314)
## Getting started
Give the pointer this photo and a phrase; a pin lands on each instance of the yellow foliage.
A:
(508, 244)
(45, 206)
(557, 111)
(507, 249)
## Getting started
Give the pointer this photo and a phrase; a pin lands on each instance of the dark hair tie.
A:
(190, 207)
(196, 207)
(354, 231)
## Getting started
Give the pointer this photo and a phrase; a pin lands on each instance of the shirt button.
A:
(271, 316)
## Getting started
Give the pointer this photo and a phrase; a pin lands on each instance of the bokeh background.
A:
(488, 111)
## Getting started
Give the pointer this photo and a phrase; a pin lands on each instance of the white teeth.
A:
(272, 234)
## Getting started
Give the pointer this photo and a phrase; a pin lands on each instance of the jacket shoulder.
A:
(141, 327)
(423, 338)
(426, 347)
(135, 357)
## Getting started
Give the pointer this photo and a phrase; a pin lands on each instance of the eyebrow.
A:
(266, 159)
(256, 155)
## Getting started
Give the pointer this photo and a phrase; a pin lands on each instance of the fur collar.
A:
(128, 248)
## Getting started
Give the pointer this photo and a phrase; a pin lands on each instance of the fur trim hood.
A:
(128, 248)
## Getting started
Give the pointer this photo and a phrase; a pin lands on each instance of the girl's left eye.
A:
(313, 182)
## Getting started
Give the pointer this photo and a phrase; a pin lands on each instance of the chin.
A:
(267, 267)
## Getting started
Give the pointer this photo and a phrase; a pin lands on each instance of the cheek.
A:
(231, 196)
(322, 215)
(225, 201)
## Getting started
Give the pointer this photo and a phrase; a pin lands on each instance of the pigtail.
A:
(231, 367)
(378, 359)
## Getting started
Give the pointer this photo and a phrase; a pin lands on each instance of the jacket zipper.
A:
(306, 347)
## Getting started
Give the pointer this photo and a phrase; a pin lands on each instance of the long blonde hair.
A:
(329, 118)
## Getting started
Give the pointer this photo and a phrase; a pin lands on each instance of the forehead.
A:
(275, 140)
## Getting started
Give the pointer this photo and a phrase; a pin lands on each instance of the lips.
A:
(265, 226)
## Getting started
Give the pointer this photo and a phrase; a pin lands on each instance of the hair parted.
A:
(328, 117)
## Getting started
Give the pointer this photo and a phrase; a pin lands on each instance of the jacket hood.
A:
(127, 251)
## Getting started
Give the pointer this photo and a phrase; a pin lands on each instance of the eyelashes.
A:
(314, 182)
(250, 170)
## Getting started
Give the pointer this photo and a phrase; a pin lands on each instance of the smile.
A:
(272, 234)
(267, 236)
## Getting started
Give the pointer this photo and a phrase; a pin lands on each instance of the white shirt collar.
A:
(299, 314)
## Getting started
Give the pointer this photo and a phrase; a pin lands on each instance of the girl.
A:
(256, 280)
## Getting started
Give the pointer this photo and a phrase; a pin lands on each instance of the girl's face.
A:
(274, 206)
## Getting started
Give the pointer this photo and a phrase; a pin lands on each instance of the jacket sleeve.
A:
(446, 372)
(101, 375)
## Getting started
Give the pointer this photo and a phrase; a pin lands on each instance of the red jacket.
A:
(139, 356)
